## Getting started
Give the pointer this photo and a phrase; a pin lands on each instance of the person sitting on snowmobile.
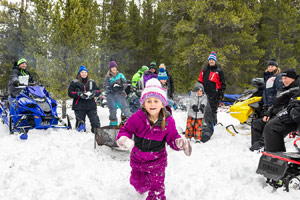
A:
(287, 119)
(200, 119)
(19, 76)
(273, 84)
(83, 90)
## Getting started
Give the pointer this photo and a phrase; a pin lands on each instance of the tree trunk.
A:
(64, 109)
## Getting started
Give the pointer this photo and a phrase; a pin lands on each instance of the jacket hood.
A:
(15, 66)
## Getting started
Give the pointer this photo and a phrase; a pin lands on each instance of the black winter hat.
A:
(291, 73)
(273, 62)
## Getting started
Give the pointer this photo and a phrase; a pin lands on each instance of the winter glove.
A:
(90, 95)
(269, 112)
(125, 143)
(183, 143)
(202, 106)
(295, 115)
(16, 83)
(117, 86)
(195, 108)
(82, 95)
(284, 117)
(294, 111)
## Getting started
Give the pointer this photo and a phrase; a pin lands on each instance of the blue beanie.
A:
(212, 56)
(82, 68)
(162, 74)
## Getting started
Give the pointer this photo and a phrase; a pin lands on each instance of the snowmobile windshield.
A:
(258, 83)
(37, 91)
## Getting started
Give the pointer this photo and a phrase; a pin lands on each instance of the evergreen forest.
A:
(58, 36)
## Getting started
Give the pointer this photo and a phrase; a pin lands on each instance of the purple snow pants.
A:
(152, 181)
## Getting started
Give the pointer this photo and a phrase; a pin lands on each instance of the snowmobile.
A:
(247, 108)
(33, 108)
(282, 169)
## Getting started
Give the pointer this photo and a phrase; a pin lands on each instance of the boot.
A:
(257, 145)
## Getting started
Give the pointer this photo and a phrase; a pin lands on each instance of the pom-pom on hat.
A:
(153, 89)
(162, 74)
(22, 60)
(82, 68)
(291, 73)
(213, 56)
(112, 64)
(273, 62)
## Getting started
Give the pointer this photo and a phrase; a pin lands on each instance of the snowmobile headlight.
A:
(31, 105)
(37, 99)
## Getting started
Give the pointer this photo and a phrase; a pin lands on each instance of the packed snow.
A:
(62, 164)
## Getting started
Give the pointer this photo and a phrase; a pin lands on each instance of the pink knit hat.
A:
(153, 89)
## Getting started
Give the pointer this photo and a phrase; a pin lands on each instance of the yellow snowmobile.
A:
(246, 108)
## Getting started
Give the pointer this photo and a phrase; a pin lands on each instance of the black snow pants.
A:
(93, 117)
(214, 104)
(257, 129)
(275, 132)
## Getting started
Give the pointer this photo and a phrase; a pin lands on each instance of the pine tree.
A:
(71, 44)
(13, 23)
(278, 31)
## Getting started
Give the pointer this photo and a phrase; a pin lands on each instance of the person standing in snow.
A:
(83, 90)
(170, 82)
(151, 73)
(114, 85)
(273, 84)
(137, 79)
(19, 76)
(197, 126)
(152, 127)
(213, 80)
(163, 77)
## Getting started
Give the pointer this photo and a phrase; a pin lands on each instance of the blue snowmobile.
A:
(33, 108)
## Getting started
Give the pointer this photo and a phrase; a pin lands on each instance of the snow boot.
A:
(257, 145)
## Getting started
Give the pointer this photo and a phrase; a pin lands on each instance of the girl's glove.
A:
(125, 143)
(183, 143)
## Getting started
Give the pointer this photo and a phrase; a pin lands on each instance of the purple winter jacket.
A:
(148, 75)
(139, 126)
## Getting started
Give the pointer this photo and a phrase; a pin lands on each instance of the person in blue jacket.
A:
(114, 85)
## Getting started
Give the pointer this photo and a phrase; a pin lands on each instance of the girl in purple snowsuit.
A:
(152, 127)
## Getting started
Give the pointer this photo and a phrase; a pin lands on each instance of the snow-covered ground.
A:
(63, 165)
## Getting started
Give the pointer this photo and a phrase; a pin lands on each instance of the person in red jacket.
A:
(213, 80)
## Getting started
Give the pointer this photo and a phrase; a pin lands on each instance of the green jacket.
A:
(136, 77)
